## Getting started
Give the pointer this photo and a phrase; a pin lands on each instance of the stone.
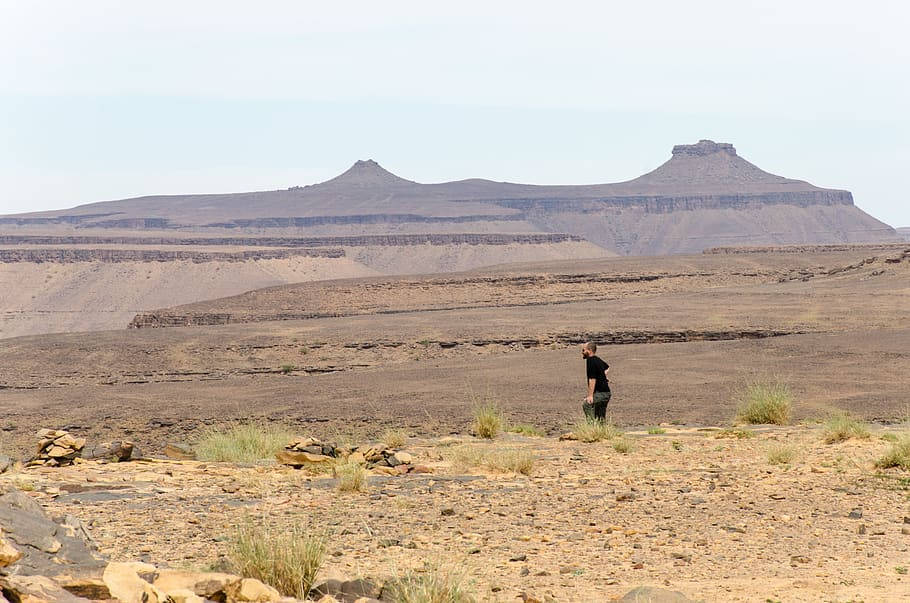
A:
(654, 595)
(112, 451)
(250, 589)
(89, 588)
(203, 584)
(179, 451)
(36, 589)
(296, 458)
(404, 458)
(182, 595)
(361, 589)
(47, 548)
(8, 553)
(126, 584)
(5, 463)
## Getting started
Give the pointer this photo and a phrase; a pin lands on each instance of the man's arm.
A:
(591, 384)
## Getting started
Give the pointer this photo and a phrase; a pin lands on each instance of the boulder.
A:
(89, 588)
(126, 583)
(182, 595)
(36, 589)
(8, 553)
(204, 584)
(295, 458)
(5, 463)
(47, 547)
(250, 589)
(116, 452)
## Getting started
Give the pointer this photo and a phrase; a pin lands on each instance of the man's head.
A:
(588, 349)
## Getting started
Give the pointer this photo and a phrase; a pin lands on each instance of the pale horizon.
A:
(101, 102)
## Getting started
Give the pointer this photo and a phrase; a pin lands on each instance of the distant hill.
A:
(904, 232)
(705, 195)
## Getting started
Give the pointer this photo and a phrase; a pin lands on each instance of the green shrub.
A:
(287, 558)
(488, 420)
(656, 430)
(243, 443)
(287, 369)
(898, 455)
(593, 430)
(841, 427)
(766, 403)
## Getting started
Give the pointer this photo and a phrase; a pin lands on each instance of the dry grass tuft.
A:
(595, 431)
(431, 585)
(488, 420)
(394, 438)
(503, 460)
(623, 445)
(733, 433)
(525, 429)
(781, 454)
(351, 477)
(761, 403)
(841, 427)
(287, 558)
(243, 443)
(656, 430)
(898, 455)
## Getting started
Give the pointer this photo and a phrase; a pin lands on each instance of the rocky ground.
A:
(686, 509)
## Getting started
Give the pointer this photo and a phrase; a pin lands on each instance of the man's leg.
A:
(588, 409)
(601, 399)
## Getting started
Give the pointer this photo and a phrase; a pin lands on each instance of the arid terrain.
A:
(346, 360)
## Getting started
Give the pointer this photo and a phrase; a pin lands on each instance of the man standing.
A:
(595, 405)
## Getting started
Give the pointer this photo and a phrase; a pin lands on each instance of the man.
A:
(595, 405)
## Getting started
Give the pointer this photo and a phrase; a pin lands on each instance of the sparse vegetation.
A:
(590, 431)
(287, 369)
(900, 569)
(898, 456)
(505, 460)
(889, 437)
(243, 443)
(781, 454)
(623, 445)
(431, 585)
(488, 420)
(525, 429)
(394, 438)
(656, 430)
(351, 477)
(734, 433)
(676, 445)
(842, 427)
(286, 558)
(766, 402)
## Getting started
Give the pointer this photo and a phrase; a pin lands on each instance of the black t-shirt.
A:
(596, 368)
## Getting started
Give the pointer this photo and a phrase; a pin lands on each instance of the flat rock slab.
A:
(48, 548)
(649, 594)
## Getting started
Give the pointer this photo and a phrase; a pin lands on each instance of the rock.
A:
(56, 448)
(421, 469)
(204, 584)
(855, 514)
(179, 451)
(35, 589)
(89, 588)
(8, 553)
(403, 458)
(361, 589)
(654, 595)
(47, 548)
(447, 512)
(296, 458)
(117, 452)
(126, 584)
(5, 463)
(182, 595)
(250, 589)
(518, 558)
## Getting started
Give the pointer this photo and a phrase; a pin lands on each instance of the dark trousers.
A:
(597, 410)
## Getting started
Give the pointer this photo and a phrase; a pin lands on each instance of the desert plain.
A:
(681, 497)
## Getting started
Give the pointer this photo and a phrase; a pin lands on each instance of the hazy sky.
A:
(105, 100)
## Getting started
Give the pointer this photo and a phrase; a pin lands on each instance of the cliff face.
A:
(718, 196)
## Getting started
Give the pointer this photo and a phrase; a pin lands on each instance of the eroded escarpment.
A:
(68, 256)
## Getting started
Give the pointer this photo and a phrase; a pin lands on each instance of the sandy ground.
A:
(685, 509)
